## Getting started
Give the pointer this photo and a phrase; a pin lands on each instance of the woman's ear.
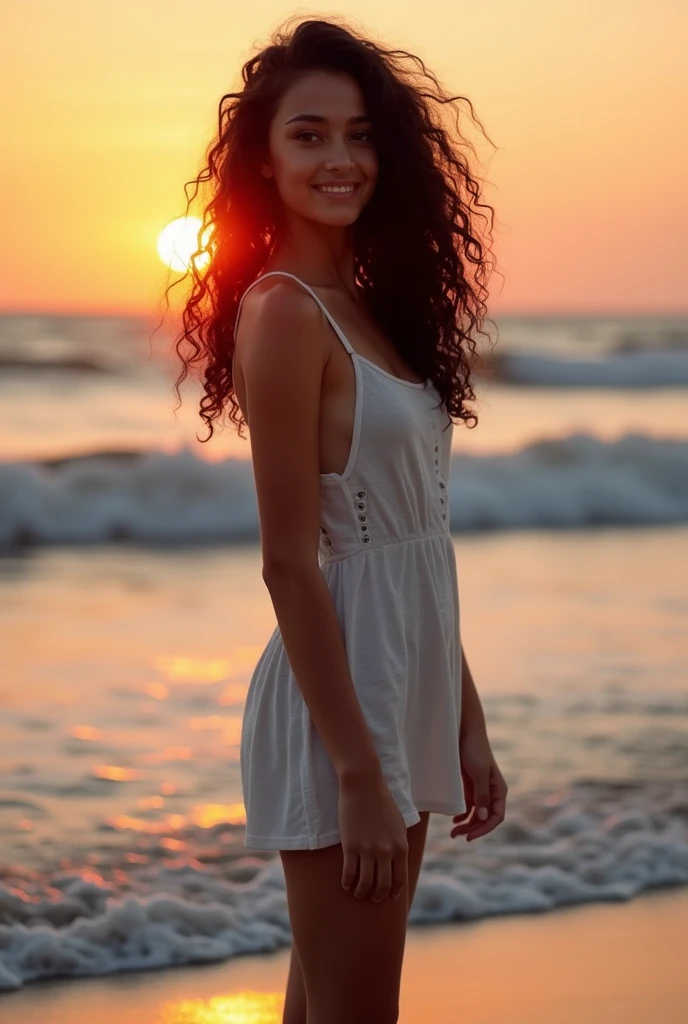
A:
(266, 170)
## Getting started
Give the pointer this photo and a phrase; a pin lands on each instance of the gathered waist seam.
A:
(385, 544)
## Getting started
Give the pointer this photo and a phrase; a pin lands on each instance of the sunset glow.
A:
(563, 92)
(178, 241)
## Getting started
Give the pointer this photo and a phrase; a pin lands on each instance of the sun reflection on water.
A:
(238, 1008)
(189, 669)
(114, 773)
(201, 815)
(157, 690)
(208, 815)
(199, 670)
(85, 732)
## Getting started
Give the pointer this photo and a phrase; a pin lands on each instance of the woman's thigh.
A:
(349, 950)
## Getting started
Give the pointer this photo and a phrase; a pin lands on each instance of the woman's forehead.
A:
(330, 95)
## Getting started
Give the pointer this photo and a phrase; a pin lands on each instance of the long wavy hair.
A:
(420, 260)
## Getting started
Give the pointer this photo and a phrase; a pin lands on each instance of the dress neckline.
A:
(337, 329)
(386, 373)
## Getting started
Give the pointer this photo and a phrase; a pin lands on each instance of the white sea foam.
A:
(658, 368)
(575, 481)
(154, 497)
(591, 842)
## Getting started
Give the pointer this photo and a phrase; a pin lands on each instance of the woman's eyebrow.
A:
(358, 119)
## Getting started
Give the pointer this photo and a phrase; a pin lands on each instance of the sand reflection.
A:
(239, 1008)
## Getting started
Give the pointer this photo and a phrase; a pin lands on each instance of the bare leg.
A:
(295, 1006)
(353, 954)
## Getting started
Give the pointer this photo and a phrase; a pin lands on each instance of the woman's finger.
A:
(365, 876)
(462, 817)
(384, 880)
(475, 828)
(399, 874)
(349, 868)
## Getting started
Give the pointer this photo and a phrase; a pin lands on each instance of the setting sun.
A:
(178, 241)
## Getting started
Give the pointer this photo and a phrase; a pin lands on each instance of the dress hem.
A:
(317, 842)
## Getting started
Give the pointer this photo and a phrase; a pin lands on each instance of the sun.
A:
(179, 240)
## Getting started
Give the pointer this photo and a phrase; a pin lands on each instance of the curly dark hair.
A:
(419, 259)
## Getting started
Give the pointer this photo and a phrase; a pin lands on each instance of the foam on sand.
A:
(591, 842)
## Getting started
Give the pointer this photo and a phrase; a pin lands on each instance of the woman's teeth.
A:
(335, 188)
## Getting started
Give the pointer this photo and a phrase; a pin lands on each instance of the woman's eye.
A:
(367, 137)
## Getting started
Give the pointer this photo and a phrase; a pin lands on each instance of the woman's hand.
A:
(484, 786)
(374, 840)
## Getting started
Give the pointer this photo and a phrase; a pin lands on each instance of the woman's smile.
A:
(343, 190)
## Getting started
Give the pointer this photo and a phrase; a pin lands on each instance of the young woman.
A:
(336, 316)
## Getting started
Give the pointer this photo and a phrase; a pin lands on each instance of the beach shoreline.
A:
(551, 968)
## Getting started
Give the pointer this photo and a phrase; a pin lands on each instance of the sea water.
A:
(132, 611)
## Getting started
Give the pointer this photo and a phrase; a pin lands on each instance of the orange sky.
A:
(107, 109)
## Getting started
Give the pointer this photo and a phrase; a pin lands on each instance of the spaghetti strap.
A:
(335, 326)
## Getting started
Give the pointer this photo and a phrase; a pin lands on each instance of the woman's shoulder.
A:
(280, 297)
(278, 312)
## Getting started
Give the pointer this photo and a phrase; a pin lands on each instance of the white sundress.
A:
(387, 555)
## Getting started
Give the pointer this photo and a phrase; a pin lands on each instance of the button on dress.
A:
(387, 555)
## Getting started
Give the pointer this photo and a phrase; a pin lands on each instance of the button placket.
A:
(326, 537)
(440, 481)
(362, 515)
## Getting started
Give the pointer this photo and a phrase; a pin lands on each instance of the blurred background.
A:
(132, 608)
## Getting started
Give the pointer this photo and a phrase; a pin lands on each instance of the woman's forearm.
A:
(472, 715)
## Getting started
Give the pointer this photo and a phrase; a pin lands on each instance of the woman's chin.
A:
(335, 218)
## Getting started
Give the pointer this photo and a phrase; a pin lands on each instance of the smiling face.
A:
(321, 151)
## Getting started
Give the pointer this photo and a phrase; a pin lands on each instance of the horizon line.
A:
(525, 313)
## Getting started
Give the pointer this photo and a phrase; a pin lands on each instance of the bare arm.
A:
(472, 715)
(283, 356)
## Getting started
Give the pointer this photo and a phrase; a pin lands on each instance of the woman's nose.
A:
(339, 157)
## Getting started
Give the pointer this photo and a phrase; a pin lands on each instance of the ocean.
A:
(132, 611)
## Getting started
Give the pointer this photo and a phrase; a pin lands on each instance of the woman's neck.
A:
(319, 254)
